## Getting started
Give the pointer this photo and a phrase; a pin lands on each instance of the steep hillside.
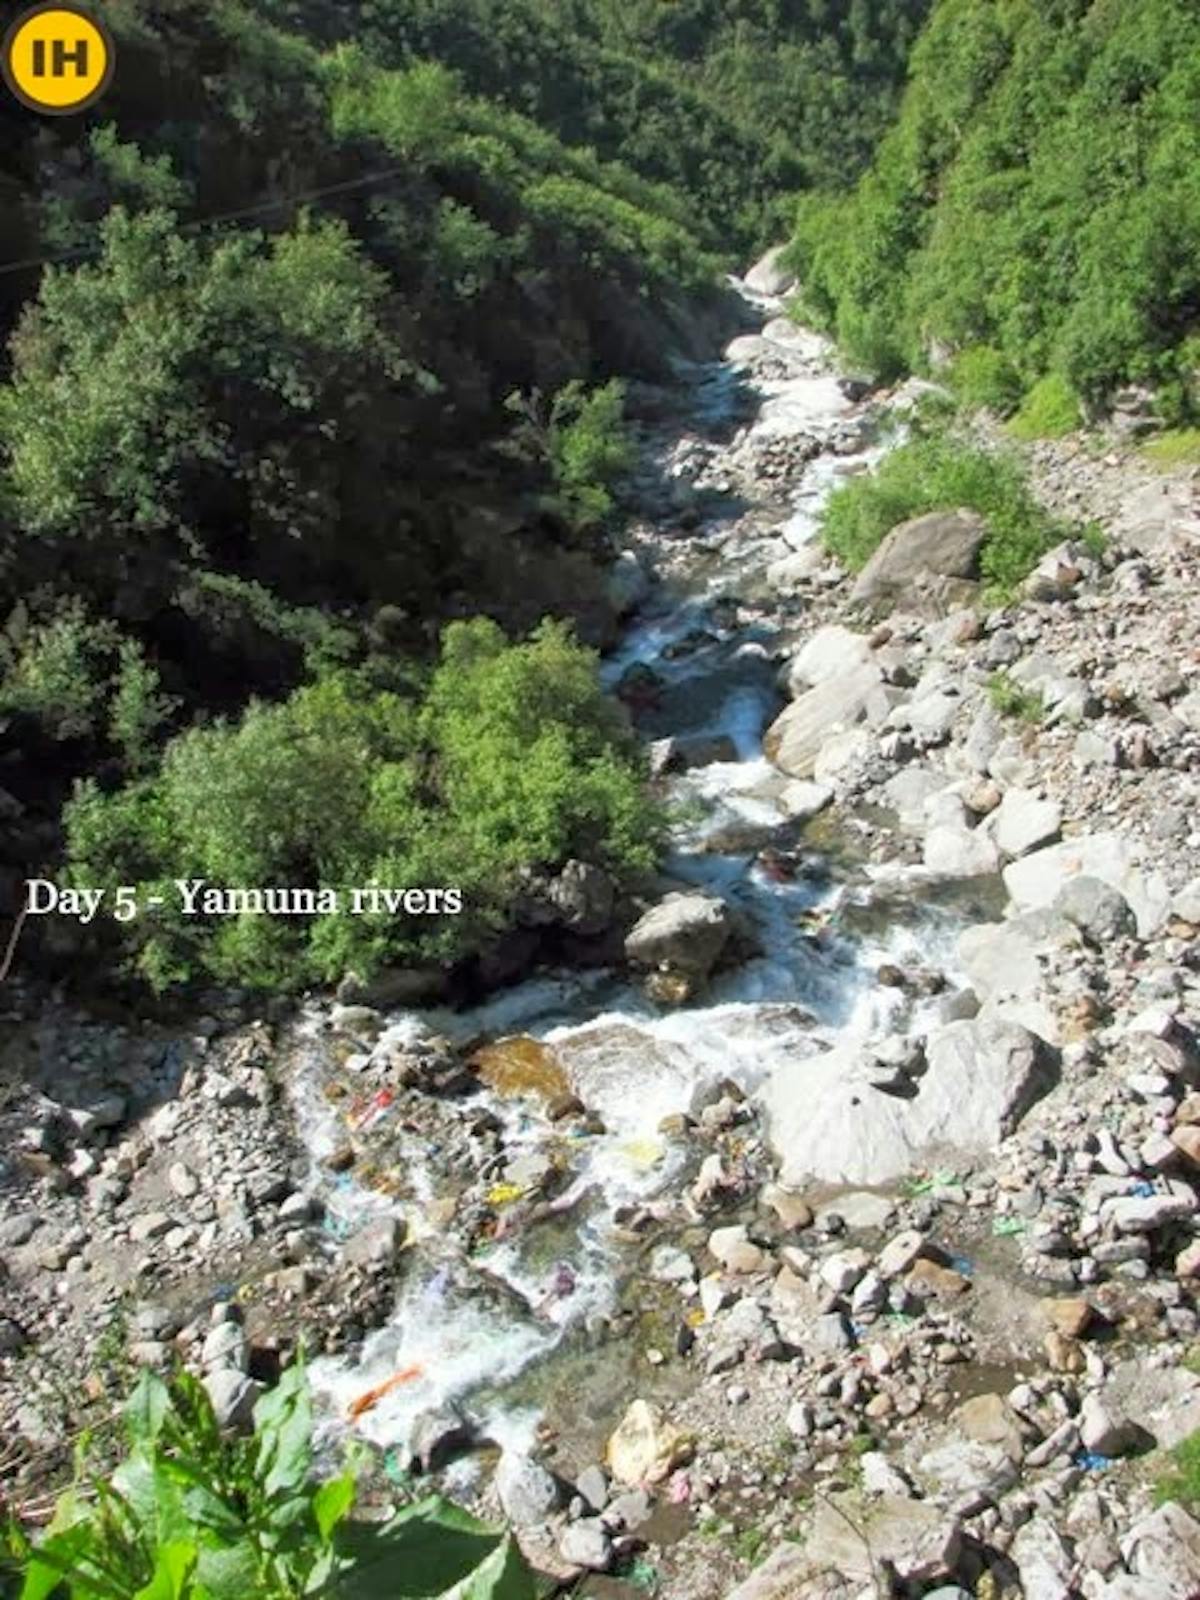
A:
(1035, 212)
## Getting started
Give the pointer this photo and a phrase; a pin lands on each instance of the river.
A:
(455, 1337)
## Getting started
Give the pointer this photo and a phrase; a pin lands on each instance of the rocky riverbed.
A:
(834, 1231)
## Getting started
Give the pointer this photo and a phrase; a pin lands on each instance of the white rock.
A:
(956, 853)
(1023, 822)
(1037, 879)
(827, 1122)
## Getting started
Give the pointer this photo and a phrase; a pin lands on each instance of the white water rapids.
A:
(629, 1061)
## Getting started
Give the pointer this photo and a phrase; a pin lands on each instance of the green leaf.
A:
(229, 1573)
(505, 1575)
(421, 1554)
(58, 1558)
(146, 1409)
(283, 1424)
(332, 1502)
(172, 1572)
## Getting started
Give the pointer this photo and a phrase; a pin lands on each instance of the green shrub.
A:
(1010, 699)
(940, 472)
(192, 1514)
(1179, 447)
(513, 757)
(1049, 411)
(984, 376)
(1182, 1481)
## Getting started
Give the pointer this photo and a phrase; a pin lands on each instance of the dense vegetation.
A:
(317, 330)
(190, 1514)
(940, 471)
(1035, 211)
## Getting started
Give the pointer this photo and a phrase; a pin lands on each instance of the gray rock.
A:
(686, 932)
(1132, 1214)
(1100, 912)
(586, 1543)
(831, 652)
(627, 584)
(827, 1122)
(794, 740)
(769, 275)
(583, 895)
(232, 1395)
(528, 1493)
(1038, 879)
(16, 1231)
(918, 1540)
(953, 852)
(942, 543)
(1162, 1552)
(592, 1485)
(376, 1244)
(1022, 822)
(1045, 1562)
(802, 801)
(1105, 1429)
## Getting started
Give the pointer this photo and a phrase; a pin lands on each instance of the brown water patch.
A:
(521, 1066)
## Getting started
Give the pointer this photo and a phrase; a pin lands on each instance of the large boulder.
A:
(794, 740)
(944, 544)
(1038, 879)
(829, 1121)
(769, 276)
(686, 933)
(831, 652)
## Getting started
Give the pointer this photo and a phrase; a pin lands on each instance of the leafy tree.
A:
(1038, 196)
(512, 757)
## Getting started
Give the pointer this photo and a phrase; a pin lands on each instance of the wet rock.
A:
(685, 933)
(437, 1436)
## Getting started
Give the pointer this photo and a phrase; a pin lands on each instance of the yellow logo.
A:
(58, 59)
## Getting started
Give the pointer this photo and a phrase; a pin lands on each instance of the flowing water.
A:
(495, 1332)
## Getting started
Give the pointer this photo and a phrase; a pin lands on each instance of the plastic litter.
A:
(1092, 1461)
(963, 1266)
(1143, 1190)
(503, 1194)
(368, 1401)
(1008, 1227)
(377, 1108)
